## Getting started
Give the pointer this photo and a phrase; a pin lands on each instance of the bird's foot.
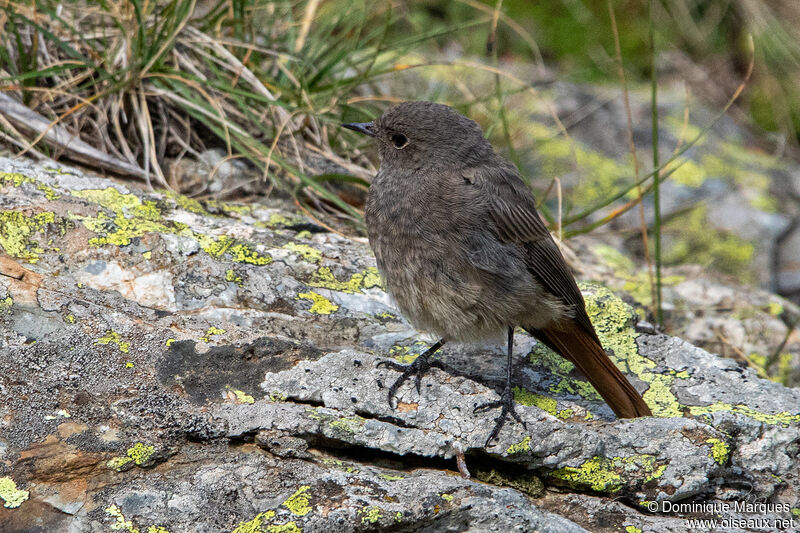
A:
(418, 368)
(506, 401)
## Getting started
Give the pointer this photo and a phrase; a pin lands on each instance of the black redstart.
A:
(464, 253)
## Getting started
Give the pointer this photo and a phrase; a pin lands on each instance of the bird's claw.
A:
(506, 401)
(418, 368)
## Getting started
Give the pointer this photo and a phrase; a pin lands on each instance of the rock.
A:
(174, 365)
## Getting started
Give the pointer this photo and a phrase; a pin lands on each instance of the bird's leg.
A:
(507, 400)
(418, 368)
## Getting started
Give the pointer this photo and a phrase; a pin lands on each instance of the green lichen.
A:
(112, 337)
(129, 364)
(696, 241)
(5, 305)
(139, 454)
(390, 477)
(17, 230)
(312, 255)
(254, 525)
(211, 332)
(319, 304)
(719, 450)
(370, 514)
(566, 414)
(298, 503)
(602, 175)
(233, 277)
(349, 424)
(522, 446)
(70, 318)
(276, 220)
(339, 465)
(635, 282)
(687, 173)
(522, 480)
(447, 497)
(367, 279)
(784, 367)
(526, 397)
(603, 474)
(632, 529)
(186, 203)
(10, 494)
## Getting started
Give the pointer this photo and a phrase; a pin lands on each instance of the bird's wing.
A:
(511, 209)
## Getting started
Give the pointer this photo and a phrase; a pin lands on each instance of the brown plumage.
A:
(465, 254)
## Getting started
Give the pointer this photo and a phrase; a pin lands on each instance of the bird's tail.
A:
(584, 350)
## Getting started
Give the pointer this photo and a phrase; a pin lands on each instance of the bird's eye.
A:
(399, 140)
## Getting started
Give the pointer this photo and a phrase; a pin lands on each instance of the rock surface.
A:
(173, 365)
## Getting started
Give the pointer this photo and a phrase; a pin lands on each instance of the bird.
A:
(465, 255)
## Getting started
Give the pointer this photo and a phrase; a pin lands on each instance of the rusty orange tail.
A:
(584, 350)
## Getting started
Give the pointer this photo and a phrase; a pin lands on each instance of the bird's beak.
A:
(360, 127)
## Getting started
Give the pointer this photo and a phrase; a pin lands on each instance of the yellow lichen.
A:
(139, 454)
(233, 277)
(319, 304)
(603, 474)
(16, 179)
(10, 494)
(298, 503)
(238, 251)
(784, 418)
(254, 525)
(210, 332)
(121, 523)
(242, 397)
(17, 230)
(719, 450)
(522, 446)
(112, 337)
(312, 255)
(370, 514)
(367, 279)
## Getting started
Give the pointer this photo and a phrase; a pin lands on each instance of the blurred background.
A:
(661, 136)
